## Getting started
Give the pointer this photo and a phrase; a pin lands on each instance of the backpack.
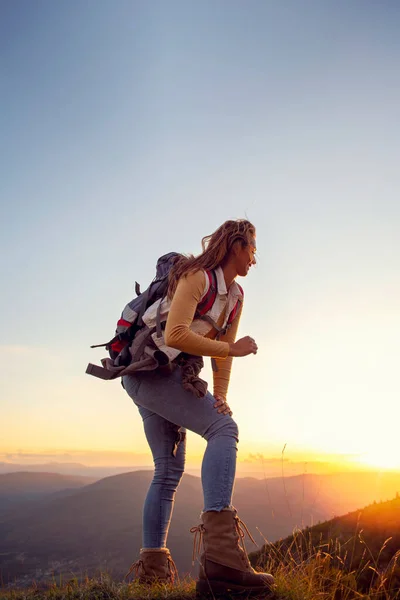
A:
(131, 321)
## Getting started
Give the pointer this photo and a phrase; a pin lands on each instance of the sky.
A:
(130, 129)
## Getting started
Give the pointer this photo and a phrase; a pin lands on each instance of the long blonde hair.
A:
(216, 248)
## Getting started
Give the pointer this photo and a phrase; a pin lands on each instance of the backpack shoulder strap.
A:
(209, 298)
(235, 309)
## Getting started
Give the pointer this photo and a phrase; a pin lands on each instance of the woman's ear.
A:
(237, 246)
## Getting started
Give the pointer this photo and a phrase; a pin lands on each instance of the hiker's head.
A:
(233, 241)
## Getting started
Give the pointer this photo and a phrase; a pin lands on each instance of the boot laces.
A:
(241, 529)
(197, 540)
(172, 570)
(135, 568)
(240, 526)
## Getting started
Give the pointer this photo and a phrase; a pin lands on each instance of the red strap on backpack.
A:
(118, 345)
(206, 304)
(235, 309)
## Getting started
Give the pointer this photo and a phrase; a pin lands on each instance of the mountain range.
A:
(71, 527)
(23, 487)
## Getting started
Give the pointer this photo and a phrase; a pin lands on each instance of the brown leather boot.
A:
(224, 564)
(155, 565)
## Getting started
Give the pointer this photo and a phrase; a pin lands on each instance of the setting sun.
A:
(381, 458)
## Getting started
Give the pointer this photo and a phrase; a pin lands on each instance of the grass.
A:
(305, 570)
(102, 588)
(317, 574)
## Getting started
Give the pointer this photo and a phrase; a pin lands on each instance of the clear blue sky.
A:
(132, 128)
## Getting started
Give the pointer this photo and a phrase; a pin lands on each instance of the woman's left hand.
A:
(222, 405)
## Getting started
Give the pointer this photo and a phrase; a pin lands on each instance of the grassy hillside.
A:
(361, 548)
(352, 556)
(99, 526)
(311, 579)
(103, 588)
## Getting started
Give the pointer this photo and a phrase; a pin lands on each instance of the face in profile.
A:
(246, 257)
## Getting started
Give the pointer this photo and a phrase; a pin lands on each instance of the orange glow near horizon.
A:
(250, 463)
(381, 460)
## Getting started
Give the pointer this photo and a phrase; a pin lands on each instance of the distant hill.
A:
(99, 526)
(95, 472)
(32, 483)
(363, 542)
(19, 487)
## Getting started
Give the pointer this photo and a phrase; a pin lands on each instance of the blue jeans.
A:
(167, 411)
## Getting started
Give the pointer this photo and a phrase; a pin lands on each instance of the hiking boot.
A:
(224, 564)
(155, 565)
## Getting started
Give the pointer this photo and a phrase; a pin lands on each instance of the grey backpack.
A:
(132, 339)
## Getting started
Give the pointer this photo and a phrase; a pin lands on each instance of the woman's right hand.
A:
(243, 347)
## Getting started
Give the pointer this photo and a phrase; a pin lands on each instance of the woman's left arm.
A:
(224, 365)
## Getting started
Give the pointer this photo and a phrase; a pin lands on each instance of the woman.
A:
(168, 410)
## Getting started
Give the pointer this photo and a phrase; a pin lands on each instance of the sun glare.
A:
(381, 460)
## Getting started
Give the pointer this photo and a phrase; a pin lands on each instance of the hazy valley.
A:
(53, 524)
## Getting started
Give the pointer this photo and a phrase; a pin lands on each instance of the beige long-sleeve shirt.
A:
(189, 291)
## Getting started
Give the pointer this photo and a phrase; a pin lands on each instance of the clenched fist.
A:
(243, 347)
